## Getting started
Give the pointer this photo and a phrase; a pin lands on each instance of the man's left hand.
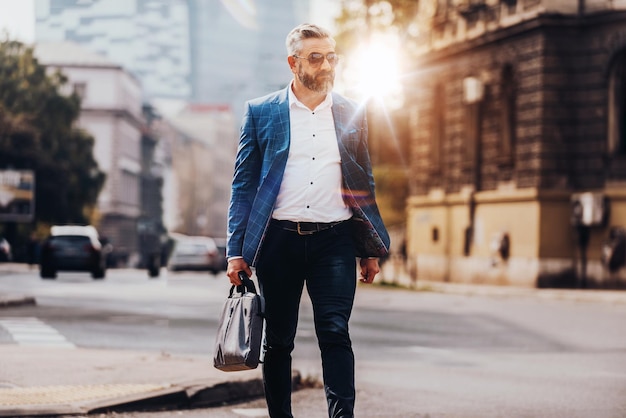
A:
(369, 269)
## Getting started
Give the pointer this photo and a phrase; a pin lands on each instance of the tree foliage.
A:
(391, 193)
(38, 132)
(359, 18)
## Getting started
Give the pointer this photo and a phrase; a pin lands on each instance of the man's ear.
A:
(292, 62)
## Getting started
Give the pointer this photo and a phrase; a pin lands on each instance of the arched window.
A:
(617, 107)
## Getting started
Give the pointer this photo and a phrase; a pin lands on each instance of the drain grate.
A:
(63, 395)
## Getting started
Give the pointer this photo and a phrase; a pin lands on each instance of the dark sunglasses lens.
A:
(316, 58)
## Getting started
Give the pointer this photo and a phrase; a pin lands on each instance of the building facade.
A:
(149, 38)
(238, 48)
(518, 157)
(204, 51)
(203, 154)
(202, 58)
(111, 111)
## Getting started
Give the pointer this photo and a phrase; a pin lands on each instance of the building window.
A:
(617, 107)
(472, 135)
(507, 116)
(80, 89)
(438, 128)
(473, 92)
(129, 193)
(510, 6)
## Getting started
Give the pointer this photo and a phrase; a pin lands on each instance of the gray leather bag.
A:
(238, 339)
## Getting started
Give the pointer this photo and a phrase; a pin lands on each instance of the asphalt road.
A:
(419, 354)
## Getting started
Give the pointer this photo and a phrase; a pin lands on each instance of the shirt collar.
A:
(293, 100)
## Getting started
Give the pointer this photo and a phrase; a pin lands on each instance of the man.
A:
(302, 208)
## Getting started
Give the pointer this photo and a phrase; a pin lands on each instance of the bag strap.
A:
(246, 284)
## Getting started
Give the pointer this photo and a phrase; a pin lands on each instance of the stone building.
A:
(111, 111)
(203, 155)
(518, 158)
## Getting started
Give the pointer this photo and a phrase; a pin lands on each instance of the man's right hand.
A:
(236, 265)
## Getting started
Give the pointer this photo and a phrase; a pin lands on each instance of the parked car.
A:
(221, 248)
(196, 253)
(5, 250)
(72, 248)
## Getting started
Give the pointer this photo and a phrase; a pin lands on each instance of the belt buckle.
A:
(300, 232)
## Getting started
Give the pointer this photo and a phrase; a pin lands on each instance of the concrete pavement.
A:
(46, 381)
(36, 380)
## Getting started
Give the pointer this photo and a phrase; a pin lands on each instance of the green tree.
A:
(359, 18)
(38, 132)
(389, 136)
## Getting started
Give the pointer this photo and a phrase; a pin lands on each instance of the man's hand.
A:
(236, 265)
(369, 269)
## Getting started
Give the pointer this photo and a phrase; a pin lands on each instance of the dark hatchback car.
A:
(72, 248)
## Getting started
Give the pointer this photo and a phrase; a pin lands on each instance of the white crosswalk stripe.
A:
(252, 412)
(32, 331)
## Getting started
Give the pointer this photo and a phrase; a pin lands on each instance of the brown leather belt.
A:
(304, 228)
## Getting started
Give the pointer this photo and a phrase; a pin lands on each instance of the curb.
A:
(162, 398)
(194, 395)
(159, 397)
(198, 395)
(574, 295)
(12, 301)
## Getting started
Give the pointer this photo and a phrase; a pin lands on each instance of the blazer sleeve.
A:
(371, 236)
(363, 157)
(245, 182)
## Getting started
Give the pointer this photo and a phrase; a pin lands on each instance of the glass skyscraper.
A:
(150, 38)
(208, 51)
(238, 47)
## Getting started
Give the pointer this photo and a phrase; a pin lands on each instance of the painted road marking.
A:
(251, 412)
(33, 331)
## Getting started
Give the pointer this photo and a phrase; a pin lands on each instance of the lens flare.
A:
(243, 11)
(373, 70)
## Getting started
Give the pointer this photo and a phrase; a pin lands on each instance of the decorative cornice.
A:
(538, 23)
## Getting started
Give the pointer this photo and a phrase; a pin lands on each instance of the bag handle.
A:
(246, 284)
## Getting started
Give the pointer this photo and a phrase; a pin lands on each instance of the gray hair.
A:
(302, 32)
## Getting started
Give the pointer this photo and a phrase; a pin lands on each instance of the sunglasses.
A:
(316, 59)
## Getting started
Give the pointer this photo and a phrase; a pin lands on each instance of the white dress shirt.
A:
(312, 182)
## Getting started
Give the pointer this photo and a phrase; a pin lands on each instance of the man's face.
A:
(316, 77)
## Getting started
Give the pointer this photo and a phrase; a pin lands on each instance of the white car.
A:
(197, 253)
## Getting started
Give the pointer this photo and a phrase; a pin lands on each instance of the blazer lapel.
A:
(339, 113)
(280, 149)
(280, 121)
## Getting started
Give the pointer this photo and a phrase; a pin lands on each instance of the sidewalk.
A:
(36, 380)
(55, 381)
(48, 381)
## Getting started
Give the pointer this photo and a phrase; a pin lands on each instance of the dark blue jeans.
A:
(325, 261)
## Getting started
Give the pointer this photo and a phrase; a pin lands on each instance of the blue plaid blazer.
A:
(260, 164)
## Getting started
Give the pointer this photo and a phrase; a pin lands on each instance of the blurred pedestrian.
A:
(32, 250)
(302, 208)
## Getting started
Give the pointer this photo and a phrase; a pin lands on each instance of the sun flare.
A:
(374, 69)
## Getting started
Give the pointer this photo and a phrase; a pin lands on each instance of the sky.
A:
(18, 18)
